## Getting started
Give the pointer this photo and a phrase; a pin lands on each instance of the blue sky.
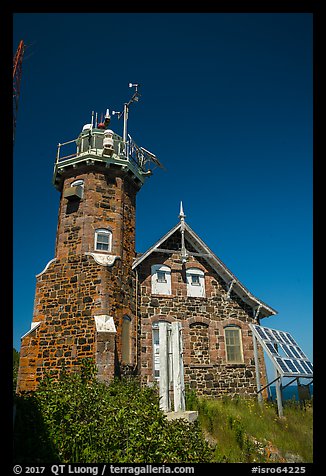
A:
(226, 105)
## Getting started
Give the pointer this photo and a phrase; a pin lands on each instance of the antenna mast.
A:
(139, 154)
(135, 98)
(17, 74)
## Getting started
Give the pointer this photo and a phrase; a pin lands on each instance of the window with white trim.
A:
(103, 239)
(233, 344)
(161, 279)
(77, 182)
(195, 282)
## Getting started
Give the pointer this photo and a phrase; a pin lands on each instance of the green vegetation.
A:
(243, 431)
(80, 420)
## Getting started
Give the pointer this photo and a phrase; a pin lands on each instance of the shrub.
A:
(80, 420)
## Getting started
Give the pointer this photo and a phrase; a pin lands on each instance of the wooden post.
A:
(178, 380)
(164, 367)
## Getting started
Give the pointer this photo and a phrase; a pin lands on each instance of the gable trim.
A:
(218, 266)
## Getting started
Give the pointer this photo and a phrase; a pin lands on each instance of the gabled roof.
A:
(259, 307)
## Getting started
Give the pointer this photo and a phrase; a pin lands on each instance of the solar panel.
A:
(288, 351)
(303, 356)
(281, 363)
(277, 336)
(291, 339)
(295, 352)
(291, 365)
(261, 332)
(309, 364)
(271, 347)
(293, 362)
(305, 366)
(280, 338)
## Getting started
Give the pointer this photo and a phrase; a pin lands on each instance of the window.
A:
(103, 239)
(75, 191)
(161, 279)
(125, 339)
(233, 344)
(195, 282)
(77, 182)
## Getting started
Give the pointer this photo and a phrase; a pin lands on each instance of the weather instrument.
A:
(133, 151)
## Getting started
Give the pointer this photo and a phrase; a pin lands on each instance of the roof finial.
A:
(182, 216)
(184, 252)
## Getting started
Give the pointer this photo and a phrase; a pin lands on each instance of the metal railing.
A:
(91, 142)
(88, 143)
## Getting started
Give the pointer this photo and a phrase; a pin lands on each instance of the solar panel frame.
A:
(299, 367)
(302, 354)
(295, 352)
(291, 365)
(282, 365)
(277, 337)
(305, 366)
(291, 339)
(310, 365)
(288, 351)
(261, 332)
(271, 348)
(294, 363)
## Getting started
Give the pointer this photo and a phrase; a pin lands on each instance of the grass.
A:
(244, 431)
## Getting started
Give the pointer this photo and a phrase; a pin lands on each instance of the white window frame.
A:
(195, 282)
(195, 289)
(102, 231)
(159, 286)
(161, 276)
(238, 329)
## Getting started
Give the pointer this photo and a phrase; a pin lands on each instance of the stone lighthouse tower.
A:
(85, 299)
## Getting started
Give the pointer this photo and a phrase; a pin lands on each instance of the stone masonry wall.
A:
(203, 321)
(109, 202)
(74, 288)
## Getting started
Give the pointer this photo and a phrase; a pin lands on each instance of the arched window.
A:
(195, 282)
(75, 191)
(77, 182)
(233, 344)
(161, 279)
(103, 239)
(126, 340)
